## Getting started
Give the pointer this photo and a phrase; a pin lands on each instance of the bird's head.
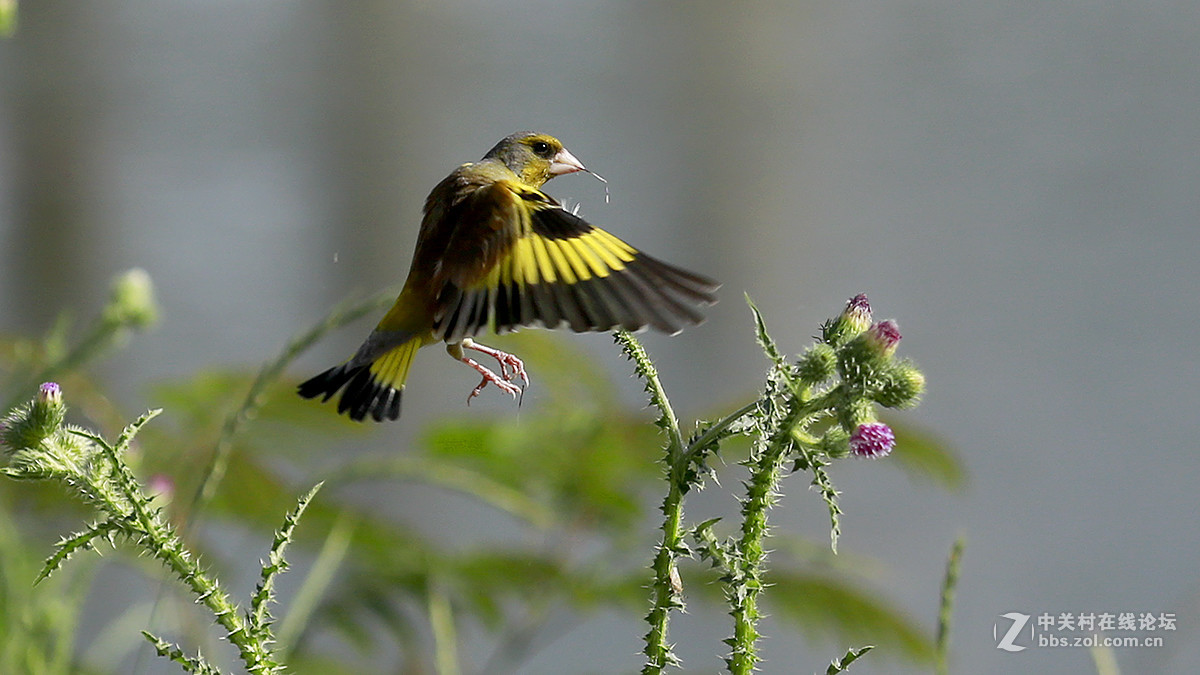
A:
(535, 158)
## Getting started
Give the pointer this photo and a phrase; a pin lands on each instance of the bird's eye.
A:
(541, 149)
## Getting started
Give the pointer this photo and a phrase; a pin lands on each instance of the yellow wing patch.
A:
(558, 269)
(538, 259)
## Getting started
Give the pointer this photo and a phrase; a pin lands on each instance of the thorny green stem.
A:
(214, 473)
(698, 446)
(168, 549)
(761, 494)
(665, 587)
(747, 572)
(946, 608)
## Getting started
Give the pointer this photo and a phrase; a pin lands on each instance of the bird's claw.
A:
(507, 361)
(490, 377)
(510, 368)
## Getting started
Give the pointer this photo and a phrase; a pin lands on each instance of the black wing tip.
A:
(695, 287)
(362, 395)
(670, 294)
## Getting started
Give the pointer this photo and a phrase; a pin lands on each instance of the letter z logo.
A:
(1007, 642)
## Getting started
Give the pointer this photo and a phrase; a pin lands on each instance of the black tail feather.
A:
(362, 393)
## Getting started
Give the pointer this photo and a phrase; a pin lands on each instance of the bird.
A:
(495, 253)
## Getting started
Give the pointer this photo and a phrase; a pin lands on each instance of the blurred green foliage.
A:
(567, 493)
(8, 18)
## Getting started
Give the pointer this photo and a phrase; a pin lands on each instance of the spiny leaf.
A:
(89, 435)
(80, 541)
(131, 430)
(713, 550)
(708, 435)
(829, 494)
(840, 665)
(276, 564)
(172, 651)
(764, 339)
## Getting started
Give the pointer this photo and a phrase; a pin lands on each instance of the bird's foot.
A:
(505, 360)
(490, 377)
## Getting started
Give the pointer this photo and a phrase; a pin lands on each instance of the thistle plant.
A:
(813, 410)
(40, 446)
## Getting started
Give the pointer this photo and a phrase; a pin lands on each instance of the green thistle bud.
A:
(854, 319)
(818, 364)
(901, 387)
(836, 442)
(863, 361)
(131, 300)
(855, 413)
(47, 412)
(27, 425)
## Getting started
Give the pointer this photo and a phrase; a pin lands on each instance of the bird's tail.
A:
(372, 386)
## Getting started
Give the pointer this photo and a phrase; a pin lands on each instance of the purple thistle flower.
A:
(872, 440)
(886, 335)
(50, 393)
(859, 303)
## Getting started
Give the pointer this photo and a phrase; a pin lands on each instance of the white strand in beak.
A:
(602, 180)
(564, 162)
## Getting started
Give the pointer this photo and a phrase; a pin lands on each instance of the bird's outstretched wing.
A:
(532, 262)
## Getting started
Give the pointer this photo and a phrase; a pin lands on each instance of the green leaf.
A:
(925, 456)
(447, 475)
(578, 466)
(764, 338)
(840, 665)
(825, 607)
(275, 565)
(80, 541)
(829, 495)
(321, 575)
(192, 664)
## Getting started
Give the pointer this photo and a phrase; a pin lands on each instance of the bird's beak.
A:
(565, 162)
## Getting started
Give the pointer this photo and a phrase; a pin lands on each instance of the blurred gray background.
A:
(1014, 181)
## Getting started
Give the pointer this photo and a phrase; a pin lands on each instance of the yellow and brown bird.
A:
(495, 252)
